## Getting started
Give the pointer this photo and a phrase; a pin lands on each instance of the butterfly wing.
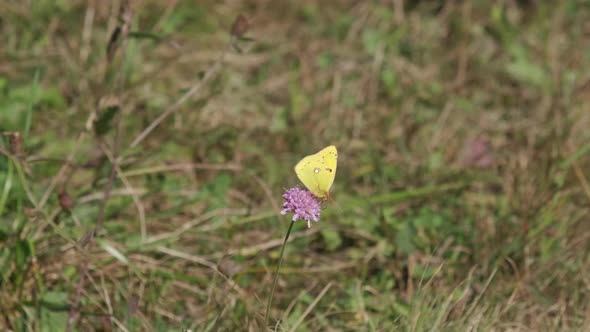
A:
(329, 159)
(317, 171)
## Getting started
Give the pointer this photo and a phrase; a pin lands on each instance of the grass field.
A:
(145, 148)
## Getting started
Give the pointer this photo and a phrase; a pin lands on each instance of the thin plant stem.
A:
(274, 282)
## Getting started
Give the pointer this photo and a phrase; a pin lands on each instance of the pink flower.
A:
(303, 204)
(478, 152)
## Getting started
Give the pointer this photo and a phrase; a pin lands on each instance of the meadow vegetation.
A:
(145, 146)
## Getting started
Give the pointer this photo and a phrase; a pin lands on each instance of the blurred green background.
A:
(145, 146)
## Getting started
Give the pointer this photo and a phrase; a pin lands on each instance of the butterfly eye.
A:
(329, 170)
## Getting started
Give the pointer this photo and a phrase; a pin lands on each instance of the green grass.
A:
(461, 200)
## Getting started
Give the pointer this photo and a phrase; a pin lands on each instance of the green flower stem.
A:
(274, 283)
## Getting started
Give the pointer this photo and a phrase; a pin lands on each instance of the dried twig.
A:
(119, 35)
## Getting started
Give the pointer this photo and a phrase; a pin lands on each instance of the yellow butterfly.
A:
(317, 171)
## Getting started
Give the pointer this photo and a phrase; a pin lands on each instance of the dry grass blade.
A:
(204, 262)
(582, 178)
(4, 152)
(310, 307)
(255, 249)
(183, 167)
(136, 200)
(211, 72)
(194, 223)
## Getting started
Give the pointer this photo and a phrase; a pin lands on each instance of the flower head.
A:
(303, 204)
